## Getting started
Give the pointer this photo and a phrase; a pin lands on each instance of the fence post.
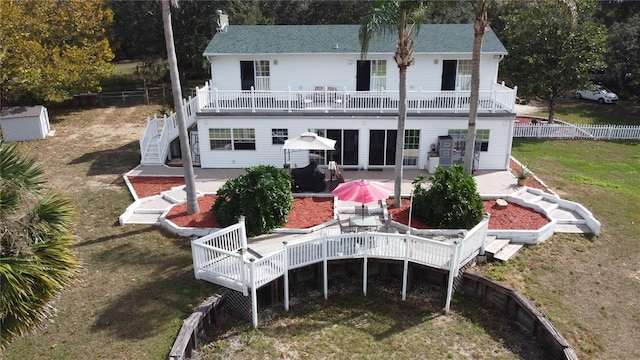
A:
(453, 272)
(381, 99)
(484, 238)
(364, 267)
(243, 273)
(289, 98)
(286, 275)
(254, 293)
(406, 266)
(325, 280)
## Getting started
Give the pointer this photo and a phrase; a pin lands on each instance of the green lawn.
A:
(590, 112)
(137, 285)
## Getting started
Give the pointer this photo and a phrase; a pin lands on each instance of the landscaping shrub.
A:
(263, 195)
(452, 201)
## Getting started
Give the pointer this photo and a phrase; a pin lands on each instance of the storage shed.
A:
(24, 123)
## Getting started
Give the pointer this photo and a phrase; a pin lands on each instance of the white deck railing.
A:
(499, 98)
(161, 133)
(222, 257)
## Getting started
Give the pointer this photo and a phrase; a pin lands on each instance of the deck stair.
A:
(570, 217)
(500, 249)
(148, 210)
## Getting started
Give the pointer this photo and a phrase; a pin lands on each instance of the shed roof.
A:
(21, 112)
(343, 39)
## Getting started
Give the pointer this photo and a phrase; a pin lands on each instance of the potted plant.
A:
(523, 175)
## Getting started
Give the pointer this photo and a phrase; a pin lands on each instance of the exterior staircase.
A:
(148, 210)
(568, 216)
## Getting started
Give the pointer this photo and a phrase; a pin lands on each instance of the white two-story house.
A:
(274, 82)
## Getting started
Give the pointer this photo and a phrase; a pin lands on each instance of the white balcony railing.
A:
(499, 98)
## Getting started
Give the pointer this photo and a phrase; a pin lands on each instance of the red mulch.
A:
(153, 185)
(204, 219)
(311, 211)
(514, 217)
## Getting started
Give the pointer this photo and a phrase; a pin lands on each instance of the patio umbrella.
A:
(362, 191)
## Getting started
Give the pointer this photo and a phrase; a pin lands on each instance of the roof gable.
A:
(343, 39)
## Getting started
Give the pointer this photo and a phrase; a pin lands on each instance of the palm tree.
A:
(404, 17)
(480, 23)
(36, 257)
(176, 89)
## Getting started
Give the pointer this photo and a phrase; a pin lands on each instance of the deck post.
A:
(254, 294)
(289, 99)
(364, 268)
(453, 272)
(484, 237)
(406, 266)
(243, 272)
(286, 276)
(325, 277)
(243, 233)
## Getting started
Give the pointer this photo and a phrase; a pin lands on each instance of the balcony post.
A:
(216, 98)
(253, 99)
(457, 100)
(289, 98)
(381, 99)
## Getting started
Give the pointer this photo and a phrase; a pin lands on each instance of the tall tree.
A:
(480, 23)
(403, 18)
(36, 256)
(624, 50)
(45, 57)
(552, 55)
(176, 89)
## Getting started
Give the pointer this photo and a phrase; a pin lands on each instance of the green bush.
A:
(452, 201)
(263, 195)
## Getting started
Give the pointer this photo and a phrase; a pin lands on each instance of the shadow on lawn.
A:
(112, 161)
(159, 289)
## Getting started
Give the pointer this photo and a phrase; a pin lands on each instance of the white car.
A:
(601, 95)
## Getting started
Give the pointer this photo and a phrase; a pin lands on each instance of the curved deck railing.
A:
(223, 257)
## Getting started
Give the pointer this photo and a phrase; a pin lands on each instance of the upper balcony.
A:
(331, 100)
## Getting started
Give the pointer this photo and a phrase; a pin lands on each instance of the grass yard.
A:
(590, 112)
(587, 286)
(136, 284)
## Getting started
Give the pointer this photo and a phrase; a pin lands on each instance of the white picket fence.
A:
(562, 130)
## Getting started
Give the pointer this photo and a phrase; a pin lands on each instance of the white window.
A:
(411, 147)
(463, 80)
(378, 75)
(232, 139)
(262, 75)
(278, 136)
(460, 138)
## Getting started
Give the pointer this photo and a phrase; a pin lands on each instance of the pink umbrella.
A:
(362, 191)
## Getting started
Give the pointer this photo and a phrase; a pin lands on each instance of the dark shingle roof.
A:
(343, 39)
(20, 112)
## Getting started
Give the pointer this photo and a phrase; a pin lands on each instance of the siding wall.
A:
(496, 158)
(305, 72)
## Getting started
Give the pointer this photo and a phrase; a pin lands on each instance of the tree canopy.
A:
(36, 256)
(550, 54)
(45, 57)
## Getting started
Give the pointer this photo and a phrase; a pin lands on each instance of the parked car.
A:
(601, 95)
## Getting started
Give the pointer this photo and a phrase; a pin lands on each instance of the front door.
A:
(247, 75)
